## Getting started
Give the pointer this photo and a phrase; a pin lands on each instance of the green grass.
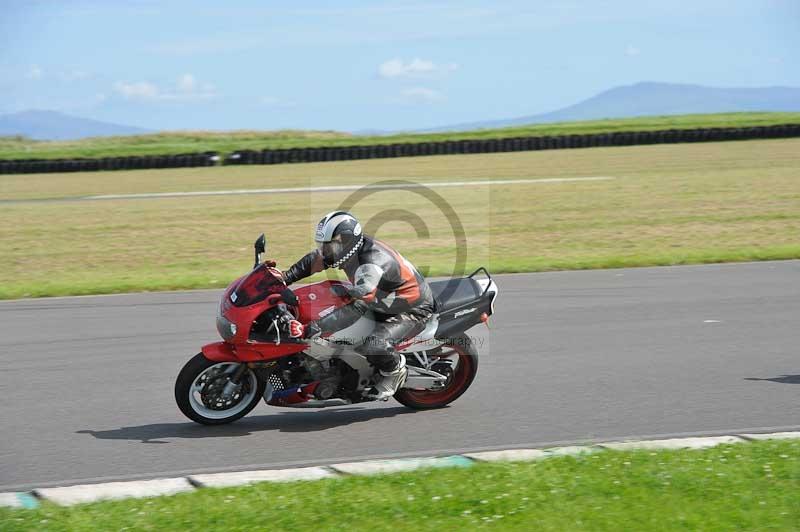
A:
(668, 204)
(226, 142)
(752, 486)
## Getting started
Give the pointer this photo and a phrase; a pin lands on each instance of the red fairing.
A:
(317, 301)
(225, 352)
(262, 282)
(299, 395)
(248, 298)
(220, 352)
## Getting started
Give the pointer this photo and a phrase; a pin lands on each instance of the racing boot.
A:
(389, 381)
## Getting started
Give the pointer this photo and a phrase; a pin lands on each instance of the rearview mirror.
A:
(260, 247)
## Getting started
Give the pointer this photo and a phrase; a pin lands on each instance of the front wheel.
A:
(458, 359)
(204, 392)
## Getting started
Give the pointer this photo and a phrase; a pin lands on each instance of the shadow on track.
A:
(783, 379)
(282, 422)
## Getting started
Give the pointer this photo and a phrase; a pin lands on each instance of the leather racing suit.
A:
(385, 283)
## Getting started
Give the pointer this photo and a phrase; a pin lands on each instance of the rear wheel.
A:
(460, 374)
(203, 393)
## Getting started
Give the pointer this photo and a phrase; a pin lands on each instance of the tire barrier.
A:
(36, 166)
(384, 151)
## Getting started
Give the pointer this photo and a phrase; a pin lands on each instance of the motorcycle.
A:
(258, 359)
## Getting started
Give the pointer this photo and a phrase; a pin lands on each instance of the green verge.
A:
(227, 141)
(146, 282)
(667, 204)
(750, 486)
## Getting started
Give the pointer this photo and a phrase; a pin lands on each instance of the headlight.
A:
(225, 328)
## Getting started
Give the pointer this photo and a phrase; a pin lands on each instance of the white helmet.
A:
(339, 237)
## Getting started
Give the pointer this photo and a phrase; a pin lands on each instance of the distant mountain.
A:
(652, 99)
(51, 125)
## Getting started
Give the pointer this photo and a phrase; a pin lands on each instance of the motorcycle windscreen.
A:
(262, 282)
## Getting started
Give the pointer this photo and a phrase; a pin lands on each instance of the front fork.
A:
(233, 385)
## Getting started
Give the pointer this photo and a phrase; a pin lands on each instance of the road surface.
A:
(87, 383)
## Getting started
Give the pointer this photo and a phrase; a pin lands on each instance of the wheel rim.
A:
(454, 386)
(240, 400)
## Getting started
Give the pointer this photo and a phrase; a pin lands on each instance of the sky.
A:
(377, 65)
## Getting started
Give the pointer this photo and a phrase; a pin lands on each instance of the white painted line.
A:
(673, 443)
(511, 455)
(571, 450)
(150, 488)
(238, 478)
(712, 321)
(345, 188)
(375, 467)
(772, 436)
(84, 493)
(10, 500)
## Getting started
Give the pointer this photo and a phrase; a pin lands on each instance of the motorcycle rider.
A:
(383, 282)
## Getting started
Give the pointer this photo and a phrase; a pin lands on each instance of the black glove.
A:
(340, 290)
(311, 330)
(310, 263)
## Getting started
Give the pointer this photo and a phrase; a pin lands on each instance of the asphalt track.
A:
(86, 383)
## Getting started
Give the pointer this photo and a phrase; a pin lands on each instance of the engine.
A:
(303, 381)
(327, 374)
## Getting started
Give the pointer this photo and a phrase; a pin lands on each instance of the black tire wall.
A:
(382, 151)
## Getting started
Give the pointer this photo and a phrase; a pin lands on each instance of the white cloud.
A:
(186, 83)
(422, 95)
(416, 68)
(140, 90)
(186, 88)
(632, 51)
(34, 72)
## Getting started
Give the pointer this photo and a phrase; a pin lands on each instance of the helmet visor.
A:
(331, 251)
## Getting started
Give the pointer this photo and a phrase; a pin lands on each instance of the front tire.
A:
(196, 391)
(457, 383)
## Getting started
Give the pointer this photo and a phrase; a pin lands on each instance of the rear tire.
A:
(457, 385)
(186, 393)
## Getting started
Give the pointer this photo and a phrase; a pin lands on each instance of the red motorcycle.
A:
(258, 359)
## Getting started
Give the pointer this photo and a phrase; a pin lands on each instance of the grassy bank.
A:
(754, 486)
(667, 204)
(226, 142)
